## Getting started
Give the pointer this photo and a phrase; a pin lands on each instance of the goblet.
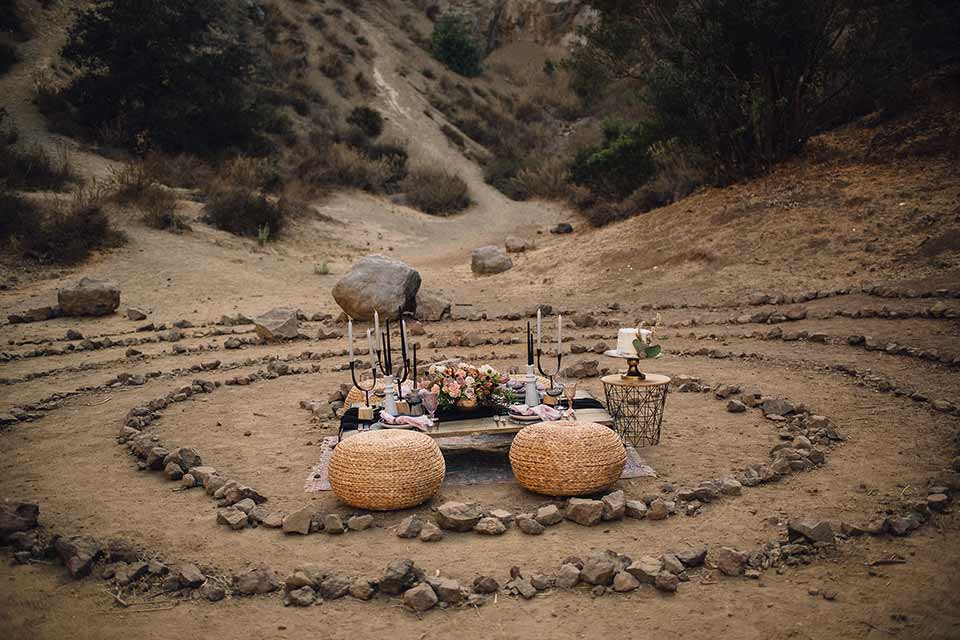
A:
(431, 401)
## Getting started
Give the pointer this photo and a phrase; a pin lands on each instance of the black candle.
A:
(415, 381)
(529, 345)
(403, 339)
(389, 354)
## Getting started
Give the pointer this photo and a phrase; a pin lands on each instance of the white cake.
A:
(625, 338)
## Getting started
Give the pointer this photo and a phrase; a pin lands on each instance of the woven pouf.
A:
(386, 469)
(567, 458)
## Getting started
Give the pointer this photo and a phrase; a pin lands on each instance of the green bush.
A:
(619, 165)
(501, 174)
(367, 120)
(174, 75)
(245, 213)
(453, 44)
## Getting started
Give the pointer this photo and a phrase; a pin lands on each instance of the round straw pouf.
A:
(567, 458)
(386, 469)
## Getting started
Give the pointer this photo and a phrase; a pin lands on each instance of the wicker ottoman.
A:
(386, 469)
(567, 458)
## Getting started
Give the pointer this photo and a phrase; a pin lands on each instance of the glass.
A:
(430, 402)
(570, 391)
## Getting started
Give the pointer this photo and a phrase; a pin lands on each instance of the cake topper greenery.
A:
(643, 343)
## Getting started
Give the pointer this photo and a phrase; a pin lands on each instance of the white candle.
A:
(539, 324)
(376, 324)
(559, 331)
(373, 362)
(350, 336)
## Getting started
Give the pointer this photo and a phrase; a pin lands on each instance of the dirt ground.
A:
(824, 221)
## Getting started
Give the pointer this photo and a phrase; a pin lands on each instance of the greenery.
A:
(436, 191)
(245, 213)
(615, 168)
(175, 75)
(749, 81)
(30, 168)
(368, 120)
(454, 45)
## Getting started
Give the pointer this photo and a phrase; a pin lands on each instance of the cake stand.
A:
(633, 362)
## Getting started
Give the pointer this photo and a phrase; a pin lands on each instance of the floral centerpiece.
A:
(462, 384)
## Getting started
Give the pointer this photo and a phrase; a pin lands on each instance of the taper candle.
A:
(376, 324)
(373, 362)
(559, 331)
(350, 336)
(539, 330)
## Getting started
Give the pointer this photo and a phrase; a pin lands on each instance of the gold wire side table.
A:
(636, 406)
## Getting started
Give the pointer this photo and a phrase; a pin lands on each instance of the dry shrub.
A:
(547, 178)
(345, 165)
(435, 191)
(246, 213)
(65, 232)
(179, 170)
(31, 168)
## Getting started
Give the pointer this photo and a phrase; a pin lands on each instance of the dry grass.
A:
(435, 191)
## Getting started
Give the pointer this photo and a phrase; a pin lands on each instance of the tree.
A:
(748, 81)
(178, 75)
(454, 45)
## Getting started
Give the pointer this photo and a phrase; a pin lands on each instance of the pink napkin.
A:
(543, 411)
(417, 422)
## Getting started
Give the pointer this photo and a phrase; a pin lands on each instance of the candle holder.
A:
(549, 376)
(373, 382)
(531, 395)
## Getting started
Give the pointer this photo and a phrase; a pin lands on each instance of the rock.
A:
(485, 584)
(635, 509)
(568, 577)
(232, 517)
(400, 576)
(549, 515)
(530, 526)
(490, 259)
(646, 569)
(598, 569)
(614, 506)
(658, 510)
(377, 283)
(185, 457)
(17, 516)
(409, 527)
(306, 575)
(458, 516)
(302, 597)
(522, 586)
(259, 580)
(730, 487)
(135, 314)
(189, 575)
(671, 564)
(431, 533)
(735, 406)
(89, 297)
(731, 562)
(516, 245)
(334, 587)
(562, 228)
(359, 523)
(173, 471)
(420, 598)
(278, 324)
(584, 511)
(777, 406)
(667, 582)
(362, 589)
(246, 505)
(814, 531)
(490, 526)
(692, 557)
(274, 520)
(127, 574)
(431, 307)
(78, 554)
(937, 501)
(299, 521)
(332, 523)
(212, 592)
(583, 369)
(502, 515)
(447, 590)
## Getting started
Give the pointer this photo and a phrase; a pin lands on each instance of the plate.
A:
(522, 418)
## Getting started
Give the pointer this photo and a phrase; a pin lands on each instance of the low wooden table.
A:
(493, 427)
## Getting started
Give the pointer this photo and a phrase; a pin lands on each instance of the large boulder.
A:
(89, 297)
(278, 324)
(431, 307)
(377, 283)
(490, 259)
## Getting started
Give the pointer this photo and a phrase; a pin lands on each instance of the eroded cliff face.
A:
(498, 22)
